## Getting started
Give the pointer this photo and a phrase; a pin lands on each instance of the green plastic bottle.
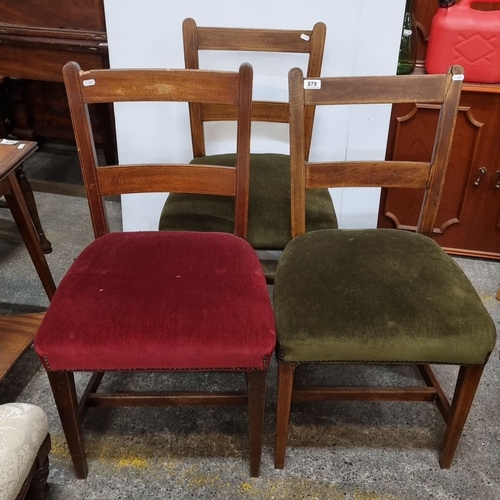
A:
(408, 48)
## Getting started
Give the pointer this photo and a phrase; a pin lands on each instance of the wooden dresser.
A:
(37, 37)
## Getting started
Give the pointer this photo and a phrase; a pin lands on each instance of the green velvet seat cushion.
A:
(377, 296)
(269, 205)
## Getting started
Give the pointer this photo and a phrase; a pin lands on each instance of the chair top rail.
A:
(376, 90)
(143, 85)
(258, 40)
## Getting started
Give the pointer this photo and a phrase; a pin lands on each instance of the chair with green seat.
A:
(376, 296)
(269, 198)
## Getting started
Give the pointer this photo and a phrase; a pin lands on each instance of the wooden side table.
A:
(16, 335)
(11, 158)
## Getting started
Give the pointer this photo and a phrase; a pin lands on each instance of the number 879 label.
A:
(312, 84)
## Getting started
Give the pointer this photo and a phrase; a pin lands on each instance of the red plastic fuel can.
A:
(463, 35)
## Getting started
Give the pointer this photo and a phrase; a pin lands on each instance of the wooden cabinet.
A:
(468, 222)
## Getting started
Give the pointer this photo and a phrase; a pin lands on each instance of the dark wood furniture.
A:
(376, 296)
(37, 38)
(16, 336)
(35, 486)
(468, 222)
(159, 301)
(32, 208)
(11, 158)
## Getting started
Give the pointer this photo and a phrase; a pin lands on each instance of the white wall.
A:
(362, 39)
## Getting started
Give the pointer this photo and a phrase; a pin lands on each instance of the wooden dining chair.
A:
(269, 199)
(376, 296)
(159, 301)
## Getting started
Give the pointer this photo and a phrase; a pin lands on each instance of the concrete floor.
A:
(356, 451)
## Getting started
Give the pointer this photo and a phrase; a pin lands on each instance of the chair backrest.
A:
(442, 90)
(135, 85)
(198, 38)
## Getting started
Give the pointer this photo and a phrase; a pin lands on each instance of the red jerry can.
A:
(461, 34)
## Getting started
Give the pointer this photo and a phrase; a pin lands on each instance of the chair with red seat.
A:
(159, 301)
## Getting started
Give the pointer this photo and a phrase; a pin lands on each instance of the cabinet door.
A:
(468, 221)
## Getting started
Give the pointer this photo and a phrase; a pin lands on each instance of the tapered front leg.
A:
(256, 383)
(284, 401)
(465, 390)
(64, 391)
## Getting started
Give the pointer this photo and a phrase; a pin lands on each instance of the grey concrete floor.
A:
(356, 451)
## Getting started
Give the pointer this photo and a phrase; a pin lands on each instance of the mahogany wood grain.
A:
(262, 111)
(179, 178)
(376, 90)
(367, 174)
(16, 335)
(54, 14)
(467, 222)
(37, 38)
(11, 156)
(142, 85)
(46, 63)
(259, 40)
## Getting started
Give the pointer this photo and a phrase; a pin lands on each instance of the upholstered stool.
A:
(24, 450)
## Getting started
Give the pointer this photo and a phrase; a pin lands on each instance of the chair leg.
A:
(256, 383)
(465, 390)
(284, 402)
(63, 388)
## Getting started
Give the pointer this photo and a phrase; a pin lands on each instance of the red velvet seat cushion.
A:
(160, 301)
